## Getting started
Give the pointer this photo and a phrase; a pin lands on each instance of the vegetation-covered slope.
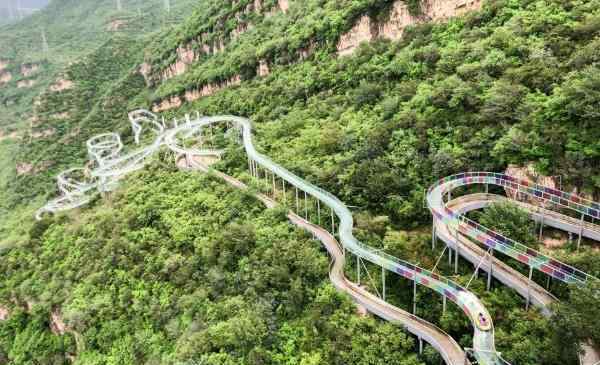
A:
(514, 83)
(181, 267)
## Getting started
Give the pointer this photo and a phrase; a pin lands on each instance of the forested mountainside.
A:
(370, 100)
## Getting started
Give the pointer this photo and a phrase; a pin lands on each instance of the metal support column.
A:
(415, 296)
(274, 197)
(580, 232)
(267, 180)
(383, 282)
(529, 288)
(541, 225)
(297, 207)
(305, 206)
(332, 224)
(358, 269)
(548, 282)
(489, 278)
(433, 238)
(456, 251)
(449, 256)
(443, 304)
(420, 346)
(284, 194)
(318, 212)
(486, 188)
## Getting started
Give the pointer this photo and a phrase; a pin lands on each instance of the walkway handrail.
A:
(497, 241)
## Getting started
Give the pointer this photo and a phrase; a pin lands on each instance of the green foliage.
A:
(575, 321)
(181, 267)
(511, 221)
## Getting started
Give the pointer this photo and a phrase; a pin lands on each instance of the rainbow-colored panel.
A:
(498, 242)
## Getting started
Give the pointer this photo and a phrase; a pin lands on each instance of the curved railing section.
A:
(458, 222)
(113, 167)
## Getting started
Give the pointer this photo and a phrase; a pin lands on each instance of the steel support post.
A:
(267, 181)
(274, 197)
(486, 188)
(297, 207)
(383, 282)
(449, 195)
(580, 232)
(489, 278)
(443, 304)
(449, 256)
(456, 251)
(305, 206)
(318, 212)
(433, 235)
(529, 288)
(541, 225)
(284, 194)
(548, 283)
(420, 346)
(415, 296)
(332, 224)
(358, 269)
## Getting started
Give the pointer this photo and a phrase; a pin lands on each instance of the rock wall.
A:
(363, 31)
(263, 68)
(28, 69)
(61, 84)
(528, 173)
(203, 45)
(173, 102)
(25, 83)
(366, 29)
(191, 95)
(5, 77)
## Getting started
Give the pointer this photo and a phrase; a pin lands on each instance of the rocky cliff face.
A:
(205, 45)
(366, 29)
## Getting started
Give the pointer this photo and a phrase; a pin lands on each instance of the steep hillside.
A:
(370, 100)
(95, 42)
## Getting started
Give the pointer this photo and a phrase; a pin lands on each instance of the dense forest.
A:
(175, 267)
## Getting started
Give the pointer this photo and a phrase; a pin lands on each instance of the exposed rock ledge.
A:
(366, 30)
(188, 54)
(4, 313)
(25, 83)
(61, 84)
(5, 77)
(191, 95)
(28, 69)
